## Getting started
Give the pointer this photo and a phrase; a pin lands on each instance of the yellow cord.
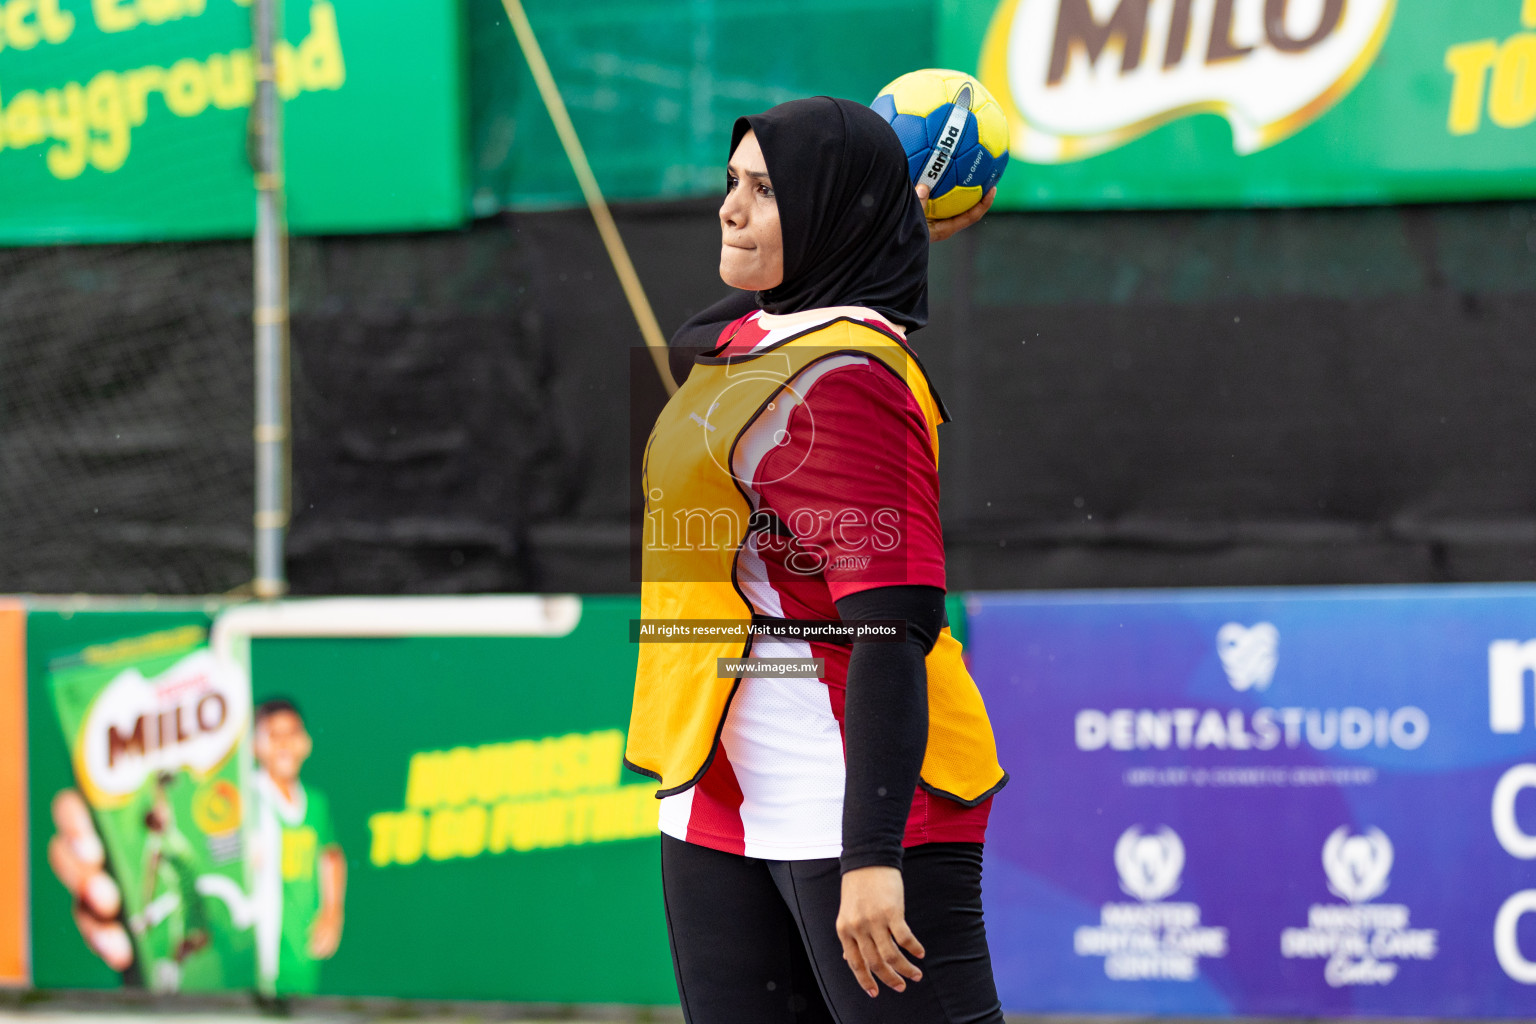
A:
(612, 241)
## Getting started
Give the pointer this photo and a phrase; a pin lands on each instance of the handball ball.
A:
(954, 132)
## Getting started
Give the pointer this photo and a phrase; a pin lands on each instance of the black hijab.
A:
(853, 228)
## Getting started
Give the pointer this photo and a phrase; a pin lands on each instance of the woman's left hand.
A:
(938, 230)
(872, 923)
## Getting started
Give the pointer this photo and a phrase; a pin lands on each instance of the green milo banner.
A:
(1232, 102)
(157, 736)
(128, 119)
(417, 798)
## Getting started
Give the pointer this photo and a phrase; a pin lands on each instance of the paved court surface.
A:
(138, 1008)
(11, 1015)
(105, 1010)
(118, 1008)
(329, 1012)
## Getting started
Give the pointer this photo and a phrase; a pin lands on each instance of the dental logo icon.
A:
(1357, 866)
(1149, 865)
(1150, 939)
(1079, 77)
(1361, 941)
(1249, 654)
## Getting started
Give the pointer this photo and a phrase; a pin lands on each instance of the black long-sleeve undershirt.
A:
(885, 721)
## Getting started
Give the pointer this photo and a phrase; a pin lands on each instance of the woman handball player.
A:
(822, 832)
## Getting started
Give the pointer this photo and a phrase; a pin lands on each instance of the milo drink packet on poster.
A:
(158, 736)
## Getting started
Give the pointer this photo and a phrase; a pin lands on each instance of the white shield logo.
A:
(1357, 866)
(1249, 654)
(1149, 865)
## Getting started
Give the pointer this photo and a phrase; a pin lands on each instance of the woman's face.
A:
(751, 246)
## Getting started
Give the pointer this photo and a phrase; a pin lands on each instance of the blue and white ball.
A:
(954, 132)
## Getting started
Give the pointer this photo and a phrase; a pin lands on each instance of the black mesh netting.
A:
(125, 418)
(1139, 399)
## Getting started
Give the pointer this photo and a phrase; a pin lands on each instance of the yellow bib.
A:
(696, 524)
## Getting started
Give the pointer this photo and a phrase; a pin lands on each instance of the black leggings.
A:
(755, 941)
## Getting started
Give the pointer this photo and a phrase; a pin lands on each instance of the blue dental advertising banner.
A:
(1286, 802)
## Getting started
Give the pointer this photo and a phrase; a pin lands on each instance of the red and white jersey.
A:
(848, 435)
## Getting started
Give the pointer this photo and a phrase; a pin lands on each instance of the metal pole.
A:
(270, 315)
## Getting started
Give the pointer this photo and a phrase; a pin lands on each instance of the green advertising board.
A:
(416, 816)
(496, 849)
(128, 119)
(1255, 102)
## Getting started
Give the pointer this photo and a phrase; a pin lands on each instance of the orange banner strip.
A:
(13, 794)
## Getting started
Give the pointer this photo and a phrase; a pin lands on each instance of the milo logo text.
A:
(1078, 28)
(190, 716)
(152, 733)
(1078, 77)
